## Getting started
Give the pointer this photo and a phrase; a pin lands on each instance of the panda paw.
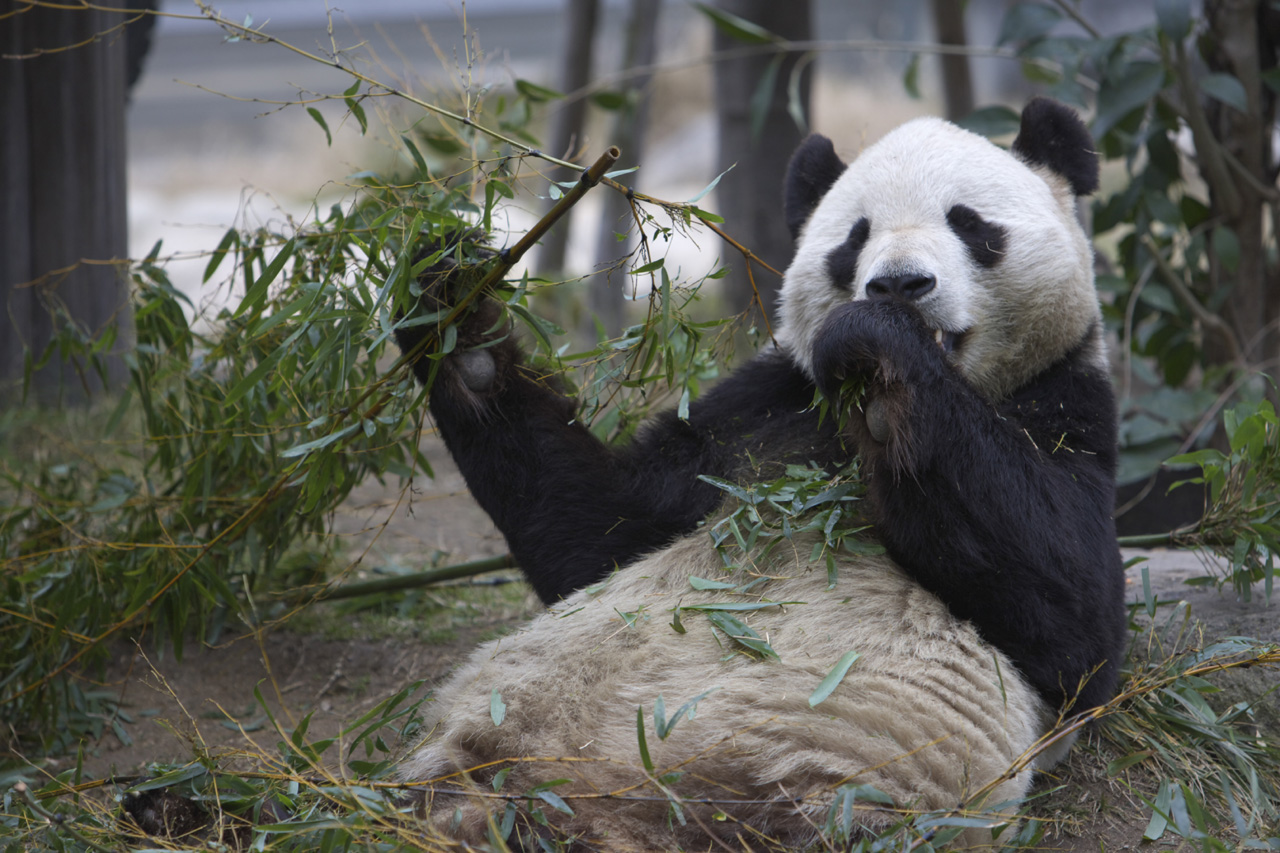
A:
(881, 342)
(884, 346)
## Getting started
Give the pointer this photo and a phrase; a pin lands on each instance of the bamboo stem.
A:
(400, 583)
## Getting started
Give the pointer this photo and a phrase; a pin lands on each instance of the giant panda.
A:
(948, 276)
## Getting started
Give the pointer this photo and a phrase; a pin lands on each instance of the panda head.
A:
(983, 242)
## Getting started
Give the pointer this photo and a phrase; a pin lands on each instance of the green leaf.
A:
(319, 119)
(1027, 22)
(256, 295)
(911, 78)
(259, 373)
(737, 607)
(552, 799)
(1160, 813)
(1226, 245)
(833, 679)
(643, 741)
(173, 777)
(537, 93)
(992, 122)
(664, 726)
(1118, 766)
(317, 444)
(418, 159)
(610, 100)
(741, 633)
(1226, 88)
(703, 583)
(737, 27)
(1140, 84)
(762, 97)
(231, 238)
(269, 322)
(1148, 597)
(497, 708)
(708, 188)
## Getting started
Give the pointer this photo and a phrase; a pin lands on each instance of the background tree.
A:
(762, 108)
(605, 298)
(569, 121)
(957, 80)
(62, 196)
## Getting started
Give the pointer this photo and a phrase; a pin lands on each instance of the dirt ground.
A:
(336, 667)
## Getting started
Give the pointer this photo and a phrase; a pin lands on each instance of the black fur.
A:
(984, 240)
(842, 263)
(813, 169)
(1003, 512)
(1052, 135)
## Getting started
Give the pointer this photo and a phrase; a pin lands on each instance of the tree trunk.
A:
(750, 197)
(565, 135)
(62, 193)
(608, 290)
(1240, 33)
(957, 82)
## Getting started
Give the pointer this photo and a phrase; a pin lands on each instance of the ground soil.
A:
(331, 664)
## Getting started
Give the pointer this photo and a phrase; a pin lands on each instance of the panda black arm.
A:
(572, 509)
(1003, 511)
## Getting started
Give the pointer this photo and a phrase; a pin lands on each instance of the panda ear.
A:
(1053, 136)
(813, 169)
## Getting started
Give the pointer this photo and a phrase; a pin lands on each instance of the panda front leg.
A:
(1001, 509)
(571, 508)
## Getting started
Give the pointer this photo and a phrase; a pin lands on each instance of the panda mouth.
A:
(947, 341)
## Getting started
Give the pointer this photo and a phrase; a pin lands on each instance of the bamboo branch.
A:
(429, 577)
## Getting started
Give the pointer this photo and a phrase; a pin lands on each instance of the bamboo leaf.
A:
(497, 708)
(833, 678)
(319, 119)
(736, 26)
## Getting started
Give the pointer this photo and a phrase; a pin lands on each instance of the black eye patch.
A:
(984, 240)
(842, 263)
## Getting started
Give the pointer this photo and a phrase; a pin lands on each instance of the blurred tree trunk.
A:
(62, 192)
(1242, 40)
(608, 290)
(957, 81)
(750, 197)
(565, 137)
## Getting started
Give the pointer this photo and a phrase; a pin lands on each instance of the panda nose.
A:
(910, 286)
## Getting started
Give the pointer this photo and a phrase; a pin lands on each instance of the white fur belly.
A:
(928, 714)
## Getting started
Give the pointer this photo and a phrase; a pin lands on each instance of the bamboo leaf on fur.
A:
(642, 741)
(703, 583)
(497, 708)
(833, 679)
(741, 633)
(664, 726)
(552, 799)
(737, 607)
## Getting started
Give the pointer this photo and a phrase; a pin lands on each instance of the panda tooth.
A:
(937, 337)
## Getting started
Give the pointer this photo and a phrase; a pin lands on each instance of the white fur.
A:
(1036, 304)
(929, 713)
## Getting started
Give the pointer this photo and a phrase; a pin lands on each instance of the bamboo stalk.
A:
(400, 583)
